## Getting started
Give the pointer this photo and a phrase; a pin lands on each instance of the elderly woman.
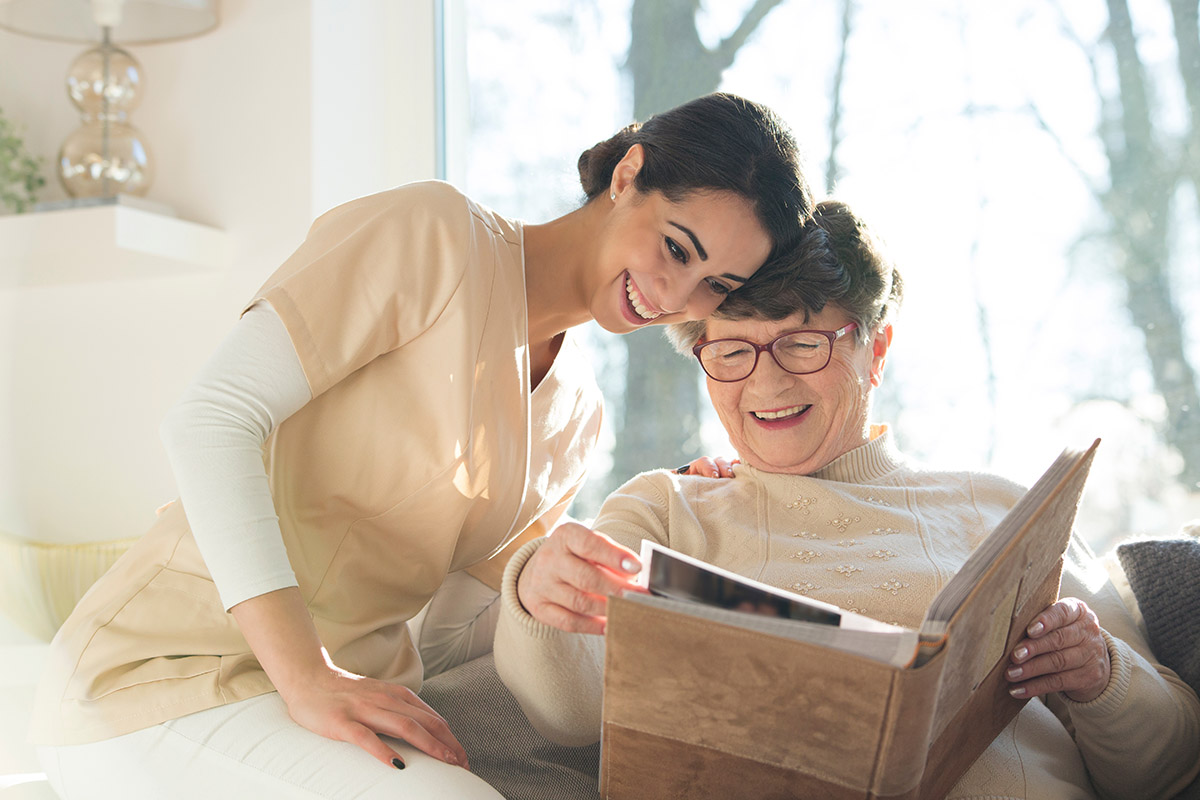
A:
(826, 506)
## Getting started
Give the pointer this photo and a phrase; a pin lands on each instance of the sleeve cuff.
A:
(511, 602)
(1120, 674)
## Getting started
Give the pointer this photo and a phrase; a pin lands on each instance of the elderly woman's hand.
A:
(1064, 652)
(566, 582)
(710, 467)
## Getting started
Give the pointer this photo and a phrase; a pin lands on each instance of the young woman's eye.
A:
(677, 252)
(717, 287)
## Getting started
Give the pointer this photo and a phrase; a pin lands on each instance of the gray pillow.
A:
(1164, 575)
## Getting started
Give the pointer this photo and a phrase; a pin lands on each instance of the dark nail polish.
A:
(397, 763)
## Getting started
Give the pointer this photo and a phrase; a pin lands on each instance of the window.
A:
(1043, 211)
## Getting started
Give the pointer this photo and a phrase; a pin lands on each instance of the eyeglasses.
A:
(797, 352)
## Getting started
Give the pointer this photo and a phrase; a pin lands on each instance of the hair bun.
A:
(596, 164)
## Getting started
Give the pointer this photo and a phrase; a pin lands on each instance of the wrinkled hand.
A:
(710, 467)
(1064, 652)
(566, 582)
(341, 705)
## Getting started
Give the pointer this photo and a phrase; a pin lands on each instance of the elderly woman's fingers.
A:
(565, 583)
(1065, 652)
(596, 548)
(1057, 615)
(564, 620)
(1080, 684)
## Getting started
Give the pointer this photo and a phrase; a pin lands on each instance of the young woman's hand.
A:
(330, 701)
(1064, 652)
(566, 582)
(350, 708)
(710, 467)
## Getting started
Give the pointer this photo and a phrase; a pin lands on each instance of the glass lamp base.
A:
(103, 159)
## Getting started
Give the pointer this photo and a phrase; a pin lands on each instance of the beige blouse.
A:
(423, 451)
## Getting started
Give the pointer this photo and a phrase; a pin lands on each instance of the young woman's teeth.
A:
(787, 412)
(635, 300)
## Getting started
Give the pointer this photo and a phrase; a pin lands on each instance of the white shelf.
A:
(104, 243)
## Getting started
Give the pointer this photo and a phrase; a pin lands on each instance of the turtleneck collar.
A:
(864, 464)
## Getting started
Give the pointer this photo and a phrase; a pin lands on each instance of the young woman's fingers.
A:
(358, 734)
(382, 707)
(418, 729)
(718, 467)
(703, 467)
(431, 720)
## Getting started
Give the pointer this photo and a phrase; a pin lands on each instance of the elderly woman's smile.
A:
(782, 422)
(780, 418)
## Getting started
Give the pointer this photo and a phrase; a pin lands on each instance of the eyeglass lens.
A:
(734, 359)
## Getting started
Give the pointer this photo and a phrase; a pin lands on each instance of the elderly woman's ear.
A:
(881, 343)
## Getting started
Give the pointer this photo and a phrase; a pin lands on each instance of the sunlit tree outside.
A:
(1032, 165)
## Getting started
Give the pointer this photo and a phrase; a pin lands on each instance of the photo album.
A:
(716, 685)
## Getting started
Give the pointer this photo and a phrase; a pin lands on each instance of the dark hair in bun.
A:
(718, 142)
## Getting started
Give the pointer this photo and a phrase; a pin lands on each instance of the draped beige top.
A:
(423, 451)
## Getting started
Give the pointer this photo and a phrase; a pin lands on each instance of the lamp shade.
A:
(131, 21)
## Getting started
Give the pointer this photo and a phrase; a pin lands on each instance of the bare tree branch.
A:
(832, 168)
(1044, 126)
(727, 49)
(1187, 40)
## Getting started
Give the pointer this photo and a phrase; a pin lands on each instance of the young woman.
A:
(401, 401)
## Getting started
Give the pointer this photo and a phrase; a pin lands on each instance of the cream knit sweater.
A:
(875, 535)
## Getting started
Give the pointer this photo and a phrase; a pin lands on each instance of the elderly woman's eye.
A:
(733, 352)
(677, 252)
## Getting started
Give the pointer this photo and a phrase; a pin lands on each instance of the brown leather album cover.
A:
(697, 705)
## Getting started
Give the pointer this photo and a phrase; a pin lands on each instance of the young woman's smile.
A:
(638, 310)
(661, 261)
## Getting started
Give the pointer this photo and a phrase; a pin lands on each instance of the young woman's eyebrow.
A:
(695, 242)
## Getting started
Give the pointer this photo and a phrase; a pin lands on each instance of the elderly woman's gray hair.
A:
(848, 266)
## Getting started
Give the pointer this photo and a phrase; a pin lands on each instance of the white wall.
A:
(285, 109)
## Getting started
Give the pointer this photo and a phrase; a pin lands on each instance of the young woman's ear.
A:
(883, 341)
(626, 170)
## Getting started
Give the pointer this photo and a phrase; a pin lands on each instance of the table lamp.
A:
(107, 156)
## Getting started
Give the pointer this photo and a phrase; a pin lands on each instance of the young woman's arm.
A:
(214, 438)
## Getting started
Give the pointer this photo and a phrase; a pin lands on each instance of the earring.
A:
(612, 196)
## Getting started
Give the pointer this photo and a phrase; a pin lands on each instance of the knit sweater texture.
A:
(876, 535)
